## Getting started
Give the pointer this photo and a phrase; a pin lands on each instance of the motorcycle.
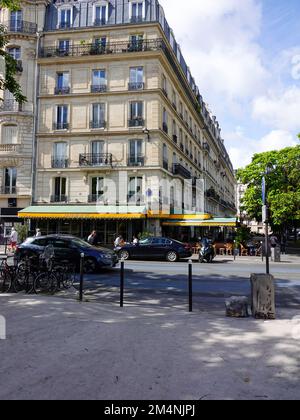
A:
(207, 253)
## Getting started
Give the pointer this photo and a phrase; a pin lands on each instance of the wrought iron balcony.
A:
(110, 48)
(94, 198)
(136, 122)
(166, 165)
(58, 199)
(206, 147)
(8, 190)
(136, 160)
(97, 124)
(59, 163)
(10, 105)
(65, 25)
(178, 169)
(98, 88)
(165, 128)
(95, 160)
(137, 19)
(61, 126)
(100, 22)
(21, 27)
(136, 86)
(135, 199)
(62, 90)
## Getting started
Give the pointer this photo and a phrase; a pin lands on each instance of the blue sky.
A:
(245, 57)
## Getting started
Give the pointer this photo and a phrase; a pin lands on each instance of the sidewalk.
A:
(61, 349)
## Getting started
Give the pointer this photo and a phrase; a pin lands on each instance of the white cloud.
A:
(279, 110)
(242, 148)
(218, 40)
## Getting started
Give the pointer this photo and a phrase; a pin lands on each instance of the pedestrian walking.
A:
(13, 240)
(92, 238)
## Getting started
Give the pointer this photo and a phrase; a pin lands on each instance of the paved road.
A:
(165, 284)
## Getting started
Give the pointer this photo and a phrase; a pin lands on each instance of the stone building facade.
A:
(124, 140)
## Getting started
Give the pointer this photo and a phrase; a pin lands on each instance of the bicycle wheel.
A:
(45, 283)
(5, 281)
(20, 281)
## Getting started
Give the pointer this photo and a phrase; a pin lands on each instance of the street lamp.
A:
(265, 213)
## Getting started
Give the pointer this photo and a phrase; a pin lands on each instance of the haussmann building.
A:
(122, 140)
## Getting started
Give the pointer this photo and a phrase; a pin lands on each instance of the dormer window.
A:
(137, 11)
(65, 18)
(101, 13)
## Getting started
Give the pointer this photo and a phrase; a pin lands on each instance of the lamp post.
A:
(265, 213)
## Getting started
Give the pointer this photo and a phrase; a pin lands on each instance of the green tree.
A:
(9, 82)
(283, 187)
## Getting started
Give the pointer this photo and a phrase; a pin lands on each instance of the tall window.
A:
(165, 85)
(97, 189)
(62, 82)
(15, 52)
(64, 46)
(16, 20)
(136, 114)
(98, 120)
(165, 157)
(135, 190)
(137, 11)
(136, 78)
(174, 131)
(60, 189)
(101, 15)
(9, 134)
(65, 18)
(62, 118)
(136, 157)
(136, 42)
(99, 81)
(10, 180)
(165, 120)
(98, 157)
(60, 159)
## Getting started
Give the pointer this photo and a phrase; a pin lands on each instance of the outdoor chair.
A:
(244, 251)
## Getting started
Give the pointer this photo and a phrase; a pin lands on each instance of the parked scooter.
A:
(207, 252)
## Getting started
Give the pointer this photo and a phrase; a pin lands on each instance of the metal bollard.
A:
(190, 286)
(122, 272)
(81, 277)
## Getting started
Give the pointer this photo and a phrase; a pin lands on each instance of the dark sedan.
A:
(69, 248)
(156, 249)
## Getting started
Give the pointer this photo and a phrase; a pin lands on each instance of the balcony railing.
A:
(61, 126)
(100, 22)
(136, 122)
(10, 105)
(97, 124)
(8, 190)
(136, 86)
(62, 91)
(58, 199)
(94, 198)
(95, 160)
(98, 88)
(137, 19)
(65, 25)
(166, 165)
(165, 128)
(60, 163)
(136, 161)
(110, 48)
(178, 169)
(21, 27)
(10, 148)
(134, 199)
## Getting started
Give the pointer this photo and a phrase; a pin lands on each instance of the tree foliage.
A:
(9, 82)
(283, 186)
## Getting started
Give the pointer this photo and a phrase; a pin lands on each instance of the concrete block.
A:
(237, 307)
(263, 296)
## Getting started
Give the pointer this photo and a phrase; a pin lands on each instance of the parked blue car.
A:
(69, 248)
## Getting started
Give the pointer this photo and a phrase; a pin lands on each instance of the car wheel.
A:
(89, 266)
(172, 256)
(124, 255)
